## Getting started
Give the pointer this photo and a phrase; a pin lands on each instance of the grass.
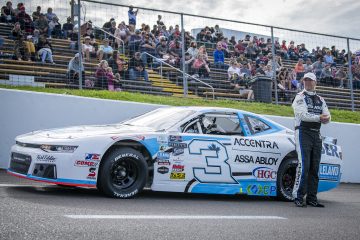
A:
(260, 108)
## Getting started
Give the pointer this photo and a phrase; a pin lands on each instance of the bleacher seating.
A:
(170, 83)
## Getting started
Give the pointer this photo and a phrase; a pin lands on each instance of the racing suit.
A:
(308, 106)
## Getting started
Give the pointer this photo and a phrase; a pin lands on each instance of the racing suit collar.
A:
(311, 93)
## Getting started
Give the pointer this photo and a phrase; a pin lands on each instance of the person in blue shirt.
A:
(132, 15)
(219, 57)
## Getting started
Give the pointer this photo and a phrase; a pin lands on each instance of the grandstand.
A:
(164, 80)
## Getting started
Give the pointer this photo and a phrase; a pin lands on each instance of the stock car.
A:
(175, 149)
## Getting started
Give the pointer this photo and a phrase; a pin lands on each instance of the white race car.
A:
(175, 149)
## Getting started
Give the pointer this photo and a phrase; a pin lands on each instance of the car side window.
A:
(256, 125)
(221, 124)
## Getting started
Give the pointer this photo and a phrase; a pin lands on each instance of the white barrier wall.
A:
(23, 112)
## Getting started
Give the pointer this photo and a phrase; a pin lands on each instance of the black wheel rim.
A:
(124, 173)
(288, 180)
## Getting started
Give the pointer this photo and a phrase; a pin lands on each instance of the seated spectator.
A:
(225, 47)
(162, 49)
(112, 32)
(271, 63)
(284, 79)
(42, 24)
(107, 25)
(334, 53)
(233, 72)
(326, 76)
(250, 51)
(67, 28)
(55, 28)
(192, 50)
(329, 59)
(232, 40)
(189, 60)
(242, 59)
(341, 77)
(164, 32)
(202, 51)
(245, 71)
(30, 47)
(200, 37)
(36, 36)
(308, 66)
(303, 52)
(122, 32)
(36, 15)
(269, 72)
(50, 15)
(341, 57)
(176, 51)
(219, 57)
(318, 66)
(284, 50)
(44, 49)
(201, 67)
(239, 48)
(147, 46)
(246, 92)
(137, 68)
(74, 38)
(25, 20)
(100, 74)
(16, 32)
(117, 63)
(74, 69)
(105, 50)
(134, 42)
(355, 69)
(261, 69)
(208, 38)
(7, 13)
(89, 33)
(247, 40)
(88, 49)
(293, 51)
(20, 49)
(299, 69)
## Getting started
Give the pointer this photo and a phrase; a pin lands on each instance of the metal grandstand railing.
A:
(162, 62)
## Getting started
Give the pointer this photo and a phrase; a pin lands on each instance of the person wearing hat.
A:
(310, 112)
(88, 49)
(67, 28)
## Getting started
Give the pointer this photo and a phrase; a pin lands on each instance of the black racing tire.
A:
(123, 173)
(285, 179)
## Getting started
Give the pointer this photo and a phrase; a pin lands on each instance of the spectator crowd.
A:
(148, 47)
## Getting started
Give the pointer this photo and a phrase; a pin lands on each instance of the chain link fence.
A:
(211, 58)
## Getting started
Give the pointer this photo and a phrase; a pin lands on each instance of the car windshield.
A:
(160, 119)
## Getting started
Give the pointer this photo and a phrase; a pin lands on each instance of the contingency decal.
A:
(215, 156)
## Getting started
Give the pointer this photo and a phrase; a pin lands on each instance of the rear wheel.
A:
(286, 179)
(123, 173)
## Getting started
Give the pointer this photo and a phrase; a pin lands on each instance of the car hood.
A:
(85, 131)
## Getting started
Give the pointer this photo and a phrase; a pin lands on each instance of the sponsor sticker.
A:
(261, 190)
(177, 145)
(255, 143)
(177, 168)
(162, 139)
(163, 155)
(84, 163)
(178, 151)
(177, 176)
(163, 162)
(92, 156)
(92, 173)
(264, 174)
(330, 150)
(163, 170)
(173, 138)
(45, 158)
(330, 172)
(256, 160)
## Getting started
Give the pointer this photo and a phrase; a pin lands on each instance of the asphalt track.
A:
(31, 210)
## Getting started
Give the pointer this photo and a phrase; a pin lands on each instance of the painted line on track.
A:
(175, 217)
(20, 185)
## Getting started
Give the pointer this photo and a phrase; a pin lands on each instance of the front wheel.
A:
(286, 179)
(123, 173)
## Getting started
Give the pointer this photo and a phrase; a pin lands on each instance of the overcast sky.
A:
(339, 17)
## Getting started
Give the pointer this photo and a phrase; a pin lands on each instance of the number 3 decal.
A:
(215, 156)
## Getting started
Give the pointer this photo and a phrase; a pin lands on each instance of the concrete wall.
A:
(22, 112)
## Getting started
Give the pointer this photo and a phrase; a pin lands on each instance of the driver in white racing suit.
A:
(310, 112)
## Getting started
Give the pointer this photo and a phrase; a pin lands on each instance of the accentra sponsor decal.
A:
(177, 145)
(330, 172)
(255, 160)
(173, 138)
(84, 163)
(163, 155)
(92, 173)
(177, 176)
(255, 143)
(264, 174)
(163, 170)
(261, 190)
(92, 156)
(45, 158)
(177, 168)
